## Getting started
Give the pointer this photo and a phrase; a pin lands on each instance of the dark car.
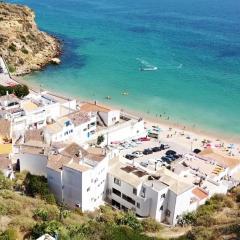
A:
(165, 159)
(156, 149)
(197, 151)
(129, 157)
(147, 151)
(170, 152)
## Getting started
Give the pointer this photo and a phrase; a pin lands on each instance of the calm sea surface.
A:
(195, 44)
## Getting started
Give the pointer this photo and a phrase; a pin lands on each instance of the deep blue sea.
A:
(195, 44)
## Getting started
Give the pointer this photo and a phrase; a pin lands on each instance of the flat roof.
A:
(199, 193)
(118, 170)
(29, 105)
(91, 107)
(220, 158)
(79, 117)
(77, 166)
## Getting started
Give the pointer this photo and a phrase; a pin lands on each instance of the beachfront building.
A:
(77, 176)
(77, 126)
(34, 111)
(105, 116)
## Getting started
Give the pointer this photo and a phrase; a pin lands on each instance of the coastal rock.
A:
(23, 46)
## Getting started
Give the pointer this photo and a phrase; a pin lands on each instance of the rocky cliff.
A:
(24, 47)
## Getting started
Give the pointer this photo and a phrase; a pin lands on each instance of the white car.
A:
(137, 154)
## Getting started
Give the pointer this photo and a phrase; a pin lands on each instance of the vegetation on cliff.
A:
(28, 210)
(24, 47)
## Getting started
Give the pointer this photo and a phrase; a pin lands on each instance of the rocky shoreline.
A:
(23, 46)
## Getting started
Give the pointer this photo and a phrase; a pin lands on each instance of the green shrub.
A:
(11, 68)
(40, 214)
(151, 225)
(9, 234)
(129, 219)
(100, 139)
(24, 50)
(12, 47)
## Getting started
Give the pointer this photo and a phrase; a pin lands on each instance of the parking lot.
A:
(150, 160)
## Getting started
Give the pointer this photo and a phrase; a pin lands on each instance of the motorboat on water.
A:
(148, 68)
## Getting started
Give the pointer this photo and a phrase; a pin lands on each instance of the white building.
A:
(160, 196)
(34, 111)
(77, 176)
(77, 126)
(105, 116)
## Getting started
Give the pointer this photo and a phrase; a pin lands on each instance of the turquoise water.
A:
(194, 43)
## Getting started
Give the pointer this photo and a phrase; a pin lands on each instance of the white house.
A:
(105, 116)
(77, 126)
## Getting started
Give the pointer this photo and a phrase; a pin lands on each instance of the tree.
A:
(100, 139)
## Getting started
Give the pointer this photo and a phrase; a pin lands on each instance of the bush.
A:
(100, 139)
(5, 183)
(10, 234)
(200, 233)
(11, 68)
(19, 90)
(12, 47)
(129, 219)
(151, 225)
(40, 214)
(38, 186)
(24, 50)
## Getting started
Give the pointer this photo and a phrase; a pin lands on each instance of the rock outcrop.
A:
(24, 47)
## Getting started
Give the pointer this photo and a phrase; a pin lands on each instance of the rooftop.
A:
(77, 166)
(121, 171)
(78, 117)
(4, 128)
(220, 158)
(90, 107)
(4, 161)
(29, 105)
(199, 193)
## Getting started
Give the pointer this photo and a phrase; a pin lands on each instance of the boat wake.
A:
(146, 66)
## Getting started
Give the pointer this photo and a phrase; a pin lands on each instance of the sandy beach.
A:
(179, 134)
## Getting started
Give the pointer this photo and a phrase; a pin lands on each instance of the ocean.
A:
(195, 45)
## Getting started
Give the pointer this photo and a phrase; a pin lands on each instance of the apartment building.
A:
(77, 176)
(159, 196)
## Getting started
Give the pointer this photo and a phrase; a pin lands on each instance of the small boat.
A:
(124, 93)
(108, 97)
(148, 68)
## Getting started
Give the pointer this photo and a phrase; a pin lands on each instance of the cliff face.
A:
(24, 47)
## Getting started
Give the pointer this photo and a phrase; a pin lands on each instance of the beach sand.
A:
(180, 134)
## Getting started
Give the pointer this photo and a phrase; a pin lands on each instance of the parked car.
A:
(164, 146)
(129, 157)
(137, 154)
(147, 151)
(143, 139)
(144, 164)
(197, 151)
(156, 149)
(170, 152)
(165, 159)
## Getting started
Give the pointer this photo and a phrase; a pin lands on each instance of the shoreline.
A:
(164, 124)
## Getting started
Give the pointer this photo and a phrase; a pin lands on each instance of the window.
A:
(67, 123)
(117, 181)
(88, 189)
(161, 208)
(134, 191)
(143, 192)
(115, 191)
(138, 205)
(163, 195)
(128, 199)
(168, 213)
